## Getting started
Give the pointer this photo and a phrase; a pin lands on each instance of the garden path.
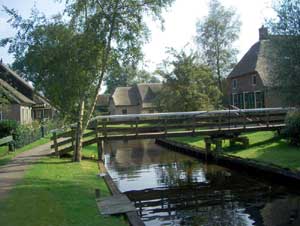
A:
(14, 171)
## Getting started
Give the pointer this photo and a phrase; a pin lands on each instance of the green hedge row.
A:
(292, 130)
(26, 134)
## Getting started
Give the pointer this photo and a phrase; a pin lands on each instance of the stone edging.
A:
(269, 171)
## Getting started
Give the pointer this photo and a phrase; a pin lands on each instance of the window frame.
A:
(234, 84)
(254, 78)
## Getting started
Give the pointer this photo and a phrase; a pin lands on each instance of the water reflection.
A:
(169, 188)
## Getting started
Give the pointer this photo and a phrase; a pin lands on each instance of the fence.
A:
(143, 126)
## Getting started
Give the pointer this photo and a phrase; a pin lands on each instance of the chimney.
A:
(263, 33)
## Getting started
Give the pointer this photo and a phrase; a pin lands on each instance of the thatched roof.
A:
(140, 94)
(125, 96)
(261, 57)
(148, 92)
(15, 95)
(15, 75)
(103, 100)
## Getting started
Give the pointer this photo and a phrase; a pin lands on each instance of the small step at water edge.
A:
(115, 204)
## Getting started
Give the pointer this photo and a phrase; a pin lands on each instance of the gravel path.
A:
(14, 171)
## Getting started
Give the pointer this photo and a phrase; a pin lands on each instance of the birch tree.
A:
(216, 34)
(98, 32)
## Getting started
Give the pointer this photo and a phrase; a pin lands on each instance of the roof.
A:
(103, 100)
(6, 68)
(36, 97)
(143, 94)
(258, 59)
(125, 96)
(148, 92)
(15, 94)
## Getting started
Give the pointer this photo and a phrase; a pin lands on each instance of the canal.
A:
(169, 188)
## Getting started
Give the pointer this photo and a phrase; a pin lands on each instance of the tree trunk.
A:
(79, 134)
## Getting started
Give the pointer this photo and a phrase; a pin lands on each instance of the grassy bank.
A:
(57, 192)
(266, 147)
(6, 156)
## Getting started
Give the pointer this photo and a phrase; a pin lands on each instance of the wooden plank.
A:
(132, 217)
(6, 140)
(115, 204)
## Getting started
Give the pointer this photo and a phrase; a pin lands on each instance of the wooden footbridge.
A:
(223, 123)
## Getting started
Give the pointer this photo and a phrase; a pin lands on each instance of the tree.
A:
(216, 34)
(188, 85)
(98, 33)
(285, 50)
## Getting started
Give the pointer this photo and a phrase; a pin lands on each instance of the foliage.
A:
(59, 193)
(8, 127)
(67, 60)
(120, 76)
(28, 133)
(292, 129)
(216, 34)
(188, 86)
(4, 100)
(285, 54)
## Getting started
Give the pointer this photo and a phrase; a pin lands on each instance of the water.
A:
(169, 188)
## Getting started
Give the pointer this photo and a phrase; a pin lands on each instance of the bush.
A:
(8, 127)
(292, 130)
(26, 134)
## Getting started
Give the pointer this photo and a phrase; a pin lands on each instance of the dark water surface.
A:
(169, 188)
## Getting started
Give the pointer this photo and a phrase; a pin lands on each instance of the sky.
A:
(179, 27)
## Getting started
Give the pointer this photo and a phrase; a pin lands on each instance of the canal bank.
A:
(272, 172)
(172, 188)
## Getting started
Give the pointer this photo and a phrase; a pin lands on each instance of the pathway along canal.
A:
(170, 188)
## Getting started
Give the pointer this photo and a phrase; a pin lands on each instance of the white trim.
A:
(234, 84)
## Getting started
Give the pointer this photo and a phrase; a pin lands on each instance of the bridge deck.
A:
(153, 126)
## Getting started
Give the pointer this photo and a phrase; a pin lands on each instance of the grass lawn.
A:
(57, 192)
(264, 146)
(5, 157)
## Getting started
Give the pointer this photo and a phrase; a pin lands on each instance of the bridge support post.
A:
(100, 149)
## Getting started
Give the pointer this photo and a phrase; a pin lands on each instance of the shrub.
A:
(8, 127)
(292, 130)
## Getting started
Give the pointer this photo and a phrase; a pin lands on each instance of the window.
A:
(238, 100)
(260, 99)
(234, 83)
(124, 111)
(249, 100)
(254, 80)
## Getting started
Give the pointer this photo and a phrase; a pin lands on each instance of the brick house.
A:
(249, 83)
(137, 99)
(40, 106)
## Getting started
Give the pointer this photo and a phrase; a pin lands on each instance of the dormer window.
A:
(254, 80)
(234, 83)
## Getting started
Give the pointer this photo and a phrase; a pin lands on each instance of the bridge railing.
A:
(171, 124)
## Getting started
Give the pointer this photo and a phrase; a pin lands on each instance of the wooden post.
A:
(244, 120)
(219, 122)
(165, 125)
(218, 142)
(104, 127)
(207, 146)
(55, 144)
(136, 126)
(193, 125)
(100, 149)
(97, 193)
(268, 119)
